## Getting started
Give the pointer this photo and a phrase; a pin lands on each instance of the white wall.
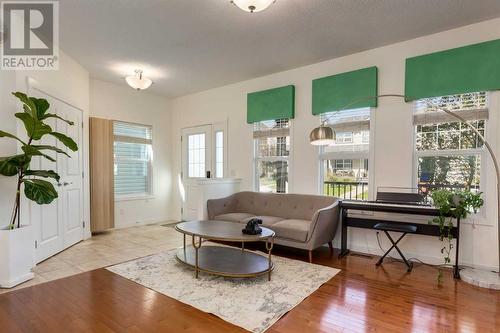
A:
(71, 84)
(393, 140)
(7, 146)
(116, 102)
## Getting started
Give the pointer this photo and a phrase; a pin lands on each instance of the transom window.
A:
(272, 151)
(133, 154)
(448, 153)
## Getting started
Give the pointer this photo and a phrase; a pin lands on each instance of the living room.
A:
(184, 108)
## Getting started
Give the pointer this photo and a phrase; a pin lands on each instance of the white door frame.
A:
(210, 159)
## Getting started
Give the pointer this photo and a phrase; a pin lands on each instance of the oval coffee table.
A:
(223, 260)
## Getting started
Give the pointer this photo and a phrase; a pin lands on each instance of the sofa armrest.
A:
(324, 225)
(219, 206)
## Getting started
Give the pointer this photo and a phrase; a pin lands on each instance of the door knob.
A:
(66, 183)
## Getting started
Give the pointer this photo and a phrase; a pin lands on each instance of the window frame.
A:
(150, 193)
(322, 157)
(491, 104)
(288, 159)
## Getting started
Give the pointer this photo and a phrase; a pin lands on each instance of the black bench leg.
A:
(395, 246)
(408, 264)
(379, 262)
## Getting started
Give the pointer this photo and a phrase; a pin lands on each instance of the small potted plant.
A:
(16, 238)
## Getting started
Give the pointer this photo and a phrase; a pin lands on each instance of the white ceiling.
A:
(187, 46)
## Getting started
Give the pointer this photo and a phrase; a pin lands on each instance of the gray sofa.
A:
(301, 221)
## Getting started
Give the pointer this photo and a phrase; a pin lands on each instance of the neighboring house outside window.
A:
(271, 156)
(344, 165)
(133, 153)
(448, 154)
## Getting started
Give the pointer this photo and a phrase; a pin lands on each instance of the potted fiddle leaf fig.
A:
(16, 238)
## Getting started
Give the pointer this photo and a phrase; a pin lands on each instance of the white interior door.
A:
(196, 162)
(71, 172)
(60, 224)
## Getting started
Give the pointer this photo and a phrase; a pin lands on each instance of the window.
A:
(343, 137)
(133, 155)
(219, 154)
(344, 165)
(448, 154)
(196, 155)
(272, 149)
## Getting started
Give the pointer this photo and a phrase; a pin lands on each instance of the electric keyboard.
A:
(357, 221)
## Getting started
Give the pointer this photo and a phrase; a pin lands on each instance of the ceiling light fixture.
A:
(138, 81)
(253, 6)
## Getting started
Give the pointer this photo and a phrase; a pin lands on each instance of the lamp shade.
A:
(322, 136)
(138, 81)
(253, 6)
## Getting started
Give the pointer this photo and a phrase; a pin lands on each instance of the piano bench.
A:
(404, 229)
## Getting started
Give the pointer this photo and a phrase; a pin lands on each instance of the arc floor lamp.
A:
(324, 135)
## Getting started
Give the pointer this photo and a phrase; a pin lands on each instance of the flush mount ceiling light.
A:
(138, 81)
(253, 6)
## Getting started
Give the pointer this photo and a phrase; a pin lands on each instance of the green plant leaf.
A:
(43, 173)
(8, 135)
(41, 105)
(52, 115)
(45, 147)
(40, 191)
(66, 140)
(32, 151)
(28, 102)
(10, 165)
(34, 127)
(7, 168)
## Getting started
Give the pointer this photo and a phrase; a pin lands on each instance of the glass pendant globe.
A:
(253, 6)
(138, 81)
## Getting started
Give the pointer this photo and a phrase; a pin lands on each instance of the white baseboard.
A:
(13, 283)
(143, 222)
(433, 260)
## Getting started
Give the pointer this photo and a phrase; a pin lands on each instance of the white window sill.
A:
(134, 198)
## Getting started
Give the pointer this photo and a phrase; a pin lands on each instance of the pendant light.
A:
(252, 6)
(138, 81)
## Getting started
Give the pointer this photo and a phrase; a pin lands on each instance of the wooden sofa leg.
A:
(330, 245)
(310, 256)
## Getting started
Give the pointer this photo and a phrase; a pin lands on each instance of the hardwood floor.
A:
(362, 298)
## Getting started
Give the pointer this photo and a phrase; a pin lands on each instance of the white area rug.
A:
(253, 304)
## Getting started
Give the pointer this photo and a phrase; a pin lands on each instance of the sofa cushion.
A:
(292, 229)
(287, 206)
(233, 217)
(267, 221)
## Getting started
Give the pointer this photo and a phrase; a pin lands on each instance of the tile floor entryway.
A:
(106, 249)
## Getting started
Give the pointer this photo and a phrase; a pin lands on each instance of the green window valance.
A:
(461, 70)
(335, 92)
(277, 103)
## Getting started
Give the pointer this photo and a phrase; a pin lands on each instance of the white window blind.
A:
(132, 159)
